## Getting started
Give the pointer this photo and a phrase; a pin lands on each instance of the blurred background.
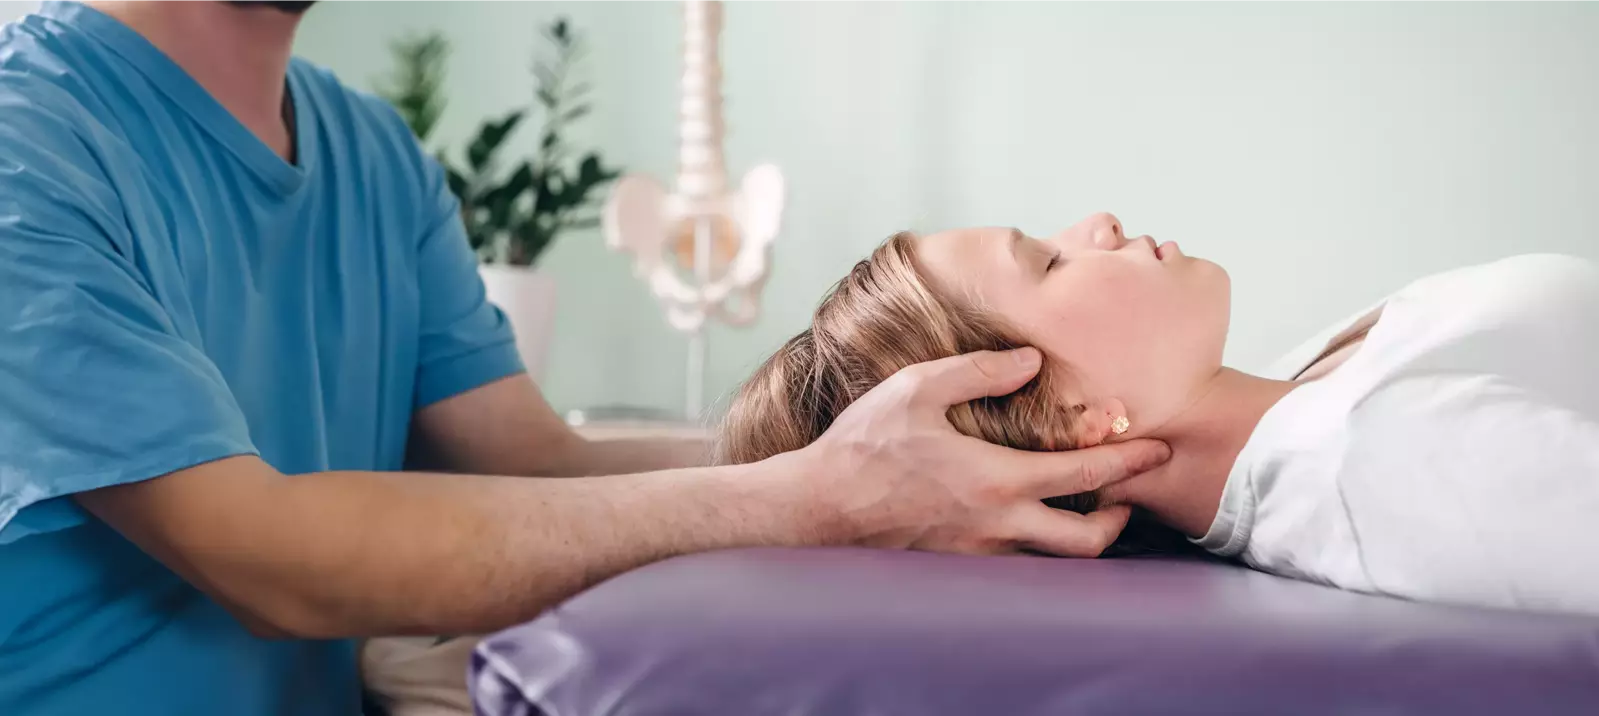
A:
(1325, 154)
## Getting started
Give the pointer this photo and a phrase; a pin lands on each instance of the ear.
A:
(1095, 421)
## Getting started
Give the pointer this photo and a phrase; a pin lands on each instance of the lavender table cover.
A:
(854, 631)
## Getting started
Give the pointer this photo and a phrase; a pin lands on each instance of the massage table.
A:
(860, 631)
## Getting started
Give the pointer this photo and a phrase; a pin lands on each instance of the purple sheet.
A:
(845, 631)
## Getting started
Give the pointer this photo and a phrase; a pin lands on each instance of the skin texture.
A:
(342, 554)
(1132, 328)
(1135, 331)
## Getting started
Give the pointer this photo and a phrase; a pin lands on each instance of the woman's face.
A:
(1139, 328)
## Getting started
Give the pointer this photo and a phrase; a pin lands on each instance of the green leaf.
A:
(518, 183)
(478, 155)
(459, 185)
(414, 87)
(489, 138)
(529, 239)
(576, 91)
(555, 184)
(500, 206)
(573, 193)
(521, 215)
(502, 200)
(543, 198)
(575, 113)
(476, 235)
(589, 171)
(554, 156)
(545, 76)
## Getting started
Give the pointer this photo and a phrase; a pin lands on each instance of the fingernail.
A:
(1026, 358)
(1156, 456)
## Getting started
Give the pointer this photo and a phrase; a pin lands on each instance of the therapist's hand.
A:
(899, 475)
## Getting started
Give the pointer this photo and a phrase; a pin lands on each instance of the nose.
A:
(1101, 231)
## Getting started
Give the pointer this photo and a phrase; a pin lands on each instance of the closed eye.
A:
(1053, 262)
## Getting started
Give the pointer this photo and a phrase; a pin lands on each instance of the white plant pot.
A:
(528, 299)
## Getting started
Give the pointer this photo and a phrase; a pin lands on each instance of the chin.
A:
(1216, 294)
(1211, 267)
(1212, 284)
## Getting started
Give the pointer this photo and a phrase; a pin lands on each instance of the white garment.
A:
(1453, 458)
(419, 676)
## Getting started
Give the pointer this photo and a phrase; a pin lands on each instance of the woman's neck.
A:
(1205, 441)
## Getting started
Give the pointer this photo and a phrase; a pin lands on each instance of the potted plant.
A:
(512, 211)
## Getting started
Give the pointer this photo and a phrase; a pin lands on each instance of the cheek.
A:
(1095, 319)
(1118, 324)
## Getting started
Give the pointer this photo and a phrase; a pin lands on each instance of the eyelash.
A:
(1053, 261)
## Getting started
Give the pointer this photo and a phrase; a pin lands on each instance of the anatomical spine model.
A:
(720, 239)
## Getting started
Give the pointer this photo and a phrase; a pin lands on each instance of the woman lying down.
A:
(1442, 446)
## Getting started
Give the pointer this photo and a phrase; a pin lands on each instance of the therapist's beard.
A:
(291, 8)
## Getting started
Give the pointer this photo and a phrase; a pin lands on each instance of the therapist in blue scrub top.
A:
(238, 315)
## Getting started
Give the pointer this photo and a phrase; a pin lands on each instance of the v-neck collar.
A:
(187, 93)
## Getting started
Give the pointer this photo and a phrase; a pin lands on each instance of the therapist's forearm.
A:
(344, 554)
(577, 457)
(507, 428)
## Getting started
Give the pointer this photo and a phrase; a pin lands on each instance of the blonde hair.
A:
(885, 315)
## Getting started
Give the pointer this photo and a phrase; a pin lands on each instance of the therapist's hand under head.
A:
(900, 476)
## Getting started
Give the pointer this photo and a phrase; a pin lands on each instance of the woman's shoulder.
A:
(1520, 329)
(1521, 274)
(1550, 288)
(1522, 295)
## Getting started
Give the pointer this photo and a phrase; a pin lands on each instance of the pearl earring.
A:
(1119, 425)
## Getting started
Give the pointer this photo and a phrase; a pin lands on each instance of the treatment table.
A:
(860, 631)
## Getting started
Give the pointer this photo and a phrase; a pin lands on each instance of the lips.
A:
(1160, 252)
(1148, 244)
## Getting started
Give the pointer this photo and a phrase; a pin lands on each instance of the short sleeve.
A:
(465, 341)
(97, 386)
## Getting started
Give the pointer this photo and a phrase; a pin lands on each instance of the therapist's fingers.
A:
(1067, 534)
(1044, 474)
(941, 383)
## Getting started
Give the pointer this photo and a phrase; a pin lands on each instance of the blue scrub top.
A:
(172, 292)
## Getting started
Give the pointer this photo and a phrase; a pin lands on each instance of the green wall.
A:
(1324, 153)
